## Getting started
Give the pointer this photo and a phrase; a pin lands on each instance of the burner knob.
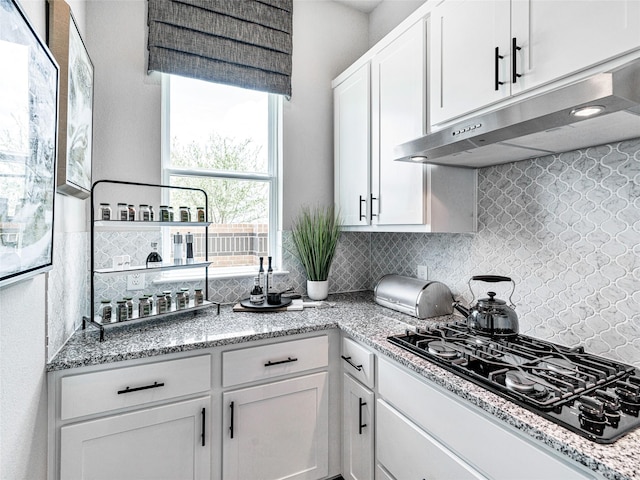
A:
(592, 408)
(611, 407)
(628, 392)
(610, 402)
(592, 417)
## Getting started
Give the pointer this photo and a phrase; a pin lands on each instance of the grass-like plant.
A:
(315, 235)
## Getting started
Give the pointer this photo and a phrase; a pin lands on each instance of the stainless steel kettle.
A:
(491, 316)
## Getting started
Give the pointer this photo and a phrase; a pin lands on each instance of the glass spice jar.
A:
(164, 213)
(144, 214)
(201, 214)
(161, 304)
(168, 298)
(150, 213)
(180, 301)
(105, 211)
(121, 311)
(129, 301)
(144, 308)
(171, 214)
(198, 297)
(185, 291)
(185, 214)
(105, 311)
(132, 213)
(123, 212)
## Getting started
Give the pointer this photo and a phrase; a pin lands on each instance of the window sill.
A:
(191, 276)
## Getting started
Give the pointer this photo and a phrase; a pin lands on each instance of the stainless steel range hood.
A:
(539, 125)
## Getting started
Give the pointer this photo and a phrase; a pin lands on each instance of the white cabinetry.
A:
(280, 429)
(456, 433)
(399, 84)
(486, 50)
(170, 441)
(352, 144)
(408, 452)
(134, 422)
(358, 419)
(378, 106)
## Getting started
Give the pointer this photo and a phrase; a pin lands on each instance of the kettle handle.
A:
(491, 278)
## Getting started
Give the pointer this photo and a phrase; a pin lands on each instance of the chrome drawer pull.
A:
(137, 389)
(288, 360)
(348, 360)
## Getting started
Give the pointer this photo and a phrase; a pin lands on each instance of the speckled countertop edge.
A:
(358, 316)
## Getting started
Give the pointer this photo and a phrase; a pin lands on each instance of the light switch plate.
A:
(423, 272)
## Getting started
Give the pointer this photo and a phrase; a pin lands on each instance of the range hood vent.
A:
(541, 125)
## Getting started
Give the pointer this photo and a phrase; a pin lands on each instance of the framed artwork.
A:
(28, 139)
(75, 123)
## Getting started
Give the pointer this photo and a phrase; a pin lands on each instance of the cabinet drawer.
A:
(408, 452)
(358, 362)
(490, 447)
(97, 392)
(273, 360)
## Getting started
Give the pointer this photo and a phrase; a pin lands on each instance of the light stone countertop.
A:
(358, 316)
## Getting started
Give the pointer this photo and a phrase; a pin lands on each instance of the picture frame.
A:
(75, 122)
(28, 139)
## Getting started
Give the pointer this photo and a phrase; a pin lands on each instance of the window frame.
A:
(272, 177)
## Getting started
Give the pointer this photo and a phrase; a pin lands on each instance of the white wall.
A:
(388, 15)
(24, 321)
(327, 38)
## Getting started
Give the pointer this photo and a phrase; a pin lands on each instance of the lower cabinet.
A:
(278, 430)
(166, 442)
(407, 452)
(357, 430)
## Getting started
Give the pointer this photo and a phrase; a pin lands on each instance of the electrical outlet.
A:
(135, 281)
(423, 272)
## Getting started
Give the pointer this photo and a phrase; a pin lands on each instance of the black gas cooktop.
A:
(590, 395)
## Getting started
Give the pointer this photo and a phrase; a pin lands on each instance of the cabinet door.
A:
(352, 143)
(357, 430)
(464, 37)
(408, 452)
(167, 442)
(278, 430)
(399, 111)
(558, 38)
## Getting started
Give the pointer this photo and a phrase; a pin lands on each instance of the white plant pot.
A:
(317, 290)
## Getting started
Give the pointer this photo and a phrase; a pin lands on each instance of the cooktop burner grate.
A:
(593, 396)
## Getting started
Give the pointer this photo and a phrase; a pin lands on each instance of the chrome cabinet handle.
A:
(497, 57)
(137, 389)
(360, 424)
(514, 64)
(348, 360)
(288, 360)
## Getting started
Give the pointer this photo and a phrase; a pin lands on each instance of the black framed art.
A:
(28, 139)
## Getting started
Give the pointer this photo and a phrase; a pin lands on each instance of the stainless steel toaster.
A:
(420, 298)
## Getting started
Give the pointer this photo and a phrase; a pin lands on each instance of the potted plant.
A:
(315, 235)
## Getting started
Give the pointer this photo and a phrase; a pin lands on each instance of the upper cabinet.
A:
(352, 145)
(379, 105)
(486, 50)
(399, 85)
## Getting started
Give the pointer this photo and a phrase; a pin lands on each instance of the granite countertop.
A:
(357, 315)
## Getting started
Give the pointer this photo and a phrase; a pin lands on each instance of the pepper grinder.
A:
(189, 239)
(178, 254)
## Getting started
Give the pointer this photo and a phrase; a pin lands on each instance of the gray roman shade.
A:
(245, 43)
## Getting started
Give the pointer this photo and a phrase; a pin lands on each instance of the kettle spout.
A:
(461, 309)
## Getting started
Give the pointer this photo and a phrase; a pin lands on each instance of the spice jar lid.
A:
(105, 301)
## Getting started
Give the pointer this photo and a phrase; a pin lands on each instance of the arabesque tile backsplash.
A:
(565, 227)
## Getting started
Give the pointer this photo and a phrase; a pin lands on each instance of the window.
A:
(225, 140)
